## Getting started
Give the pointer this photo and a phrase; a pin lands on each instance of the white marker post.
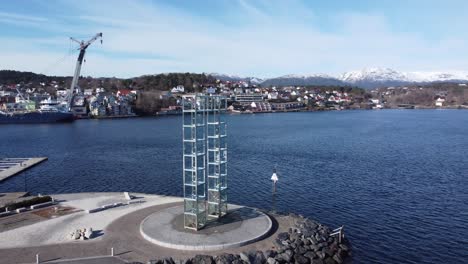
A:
(274, 178)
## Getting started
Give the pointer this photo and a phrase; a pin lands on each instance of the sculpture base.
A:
(239, 227)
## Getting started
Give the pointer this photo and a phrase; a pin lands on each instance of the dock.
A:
(12, 166)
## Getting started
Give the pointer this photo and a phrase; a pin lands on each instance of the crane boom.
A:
(83, 46)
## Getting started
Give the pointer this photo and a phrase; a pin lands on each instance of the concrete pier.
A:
(12, 166)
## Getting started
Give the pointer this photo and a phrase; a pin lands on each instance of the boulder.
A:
(315, 247)
(327, 251)
(299, 259)
(337, 259)
(317, 261)
(278, 242)
(225, 258)
(321, 254)
(271, 260)
(341, 253)
(77, 234)
(259, 258)
(283, 236)
(203, 259)
(344, 247)
(294, 236)
(168, 261)
(311, 255)
(301, 250)
(283, 258)
(329, 261)
(183, 261)
(270, 253)
(245, 257)
(307, 233)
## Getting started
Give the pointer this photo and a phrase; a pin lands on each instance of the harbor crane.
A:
(83, 46)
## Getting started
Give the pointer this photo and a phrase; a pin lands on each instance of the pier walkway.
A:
(12, 166)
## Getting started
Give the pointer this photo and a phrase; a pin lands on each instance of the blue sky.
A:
(263, 38)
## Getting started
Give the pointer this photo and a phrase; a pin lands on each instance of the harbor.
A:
(334, 167)
(11, 166)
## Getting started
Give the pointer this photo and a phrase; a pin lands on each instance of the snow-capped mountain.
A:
(295, 79)
(372, 74)
(365, 78)
(236, 78)
(374, 77)
(438, 76)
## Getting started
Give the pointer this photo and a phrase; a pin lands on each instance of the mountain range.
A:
(366, 78)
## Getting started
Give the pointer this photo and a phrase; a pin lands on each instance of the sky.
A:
(261, 38)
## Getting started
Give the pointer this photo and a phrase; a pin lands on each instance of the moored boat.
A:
(35, 117)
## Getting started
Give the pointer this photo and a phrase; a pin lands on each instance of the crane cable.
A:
(60, 60)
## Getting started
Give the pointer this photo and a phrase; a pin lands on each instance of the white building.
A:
(88, 92)
(62, 93)
(178, 89)
(439, 102)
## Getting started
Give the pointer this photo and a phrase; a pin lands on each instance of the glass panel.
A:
(190, 221)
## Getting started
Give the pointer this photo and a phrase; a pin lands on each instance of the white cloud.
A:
(14, 16)
(283, 38)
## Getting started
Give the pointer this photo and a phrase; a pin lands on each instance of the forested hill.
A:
(15, 77)
(161, 82)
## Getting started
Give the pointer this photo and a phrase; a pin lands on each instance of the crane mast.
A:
(83, 46)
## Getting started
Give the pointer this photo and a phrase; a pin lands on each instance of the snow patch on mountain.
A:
(387, 74)
(317, 75)
(373, 74)
(236, 78)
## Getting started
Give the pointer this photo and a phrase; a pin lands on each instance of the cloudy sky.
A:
(262, 38)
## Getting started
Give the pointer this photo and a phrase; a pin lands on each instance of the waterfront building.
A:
(248, 98)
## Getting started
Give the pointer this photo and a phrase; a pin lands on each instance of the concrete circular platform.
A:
(241, 226)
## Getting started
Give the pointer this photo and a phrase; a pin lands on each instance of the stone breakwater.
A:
(306, 242)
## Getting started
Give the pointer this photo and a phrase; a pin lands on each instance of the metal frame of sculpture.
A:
(217, 156)
(204, 158)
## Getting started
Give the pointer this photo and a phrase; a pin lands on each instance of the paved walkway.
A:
(124, 236)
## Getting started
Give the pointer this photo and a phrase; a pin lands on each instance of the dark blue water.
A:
(397, 179)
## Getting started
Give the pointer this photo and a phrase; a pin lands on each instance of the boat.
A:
(36, 117)
(49, 112)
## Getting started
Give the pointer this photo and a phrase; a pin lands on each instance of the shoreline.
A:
(292, 236)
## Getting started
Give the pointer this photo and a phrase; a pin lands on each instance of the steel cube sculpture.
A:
(204, 159)
(217, 157)
(194, 161)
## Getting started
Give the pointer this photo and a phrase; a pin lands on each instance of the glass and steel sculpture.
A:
(204, 159)
(194, 160)
(217, 156)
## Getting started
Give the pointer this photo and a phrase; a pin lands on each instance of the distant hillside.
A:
(455, 95)
(299, 80)
(15, 77)
(160, 82)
